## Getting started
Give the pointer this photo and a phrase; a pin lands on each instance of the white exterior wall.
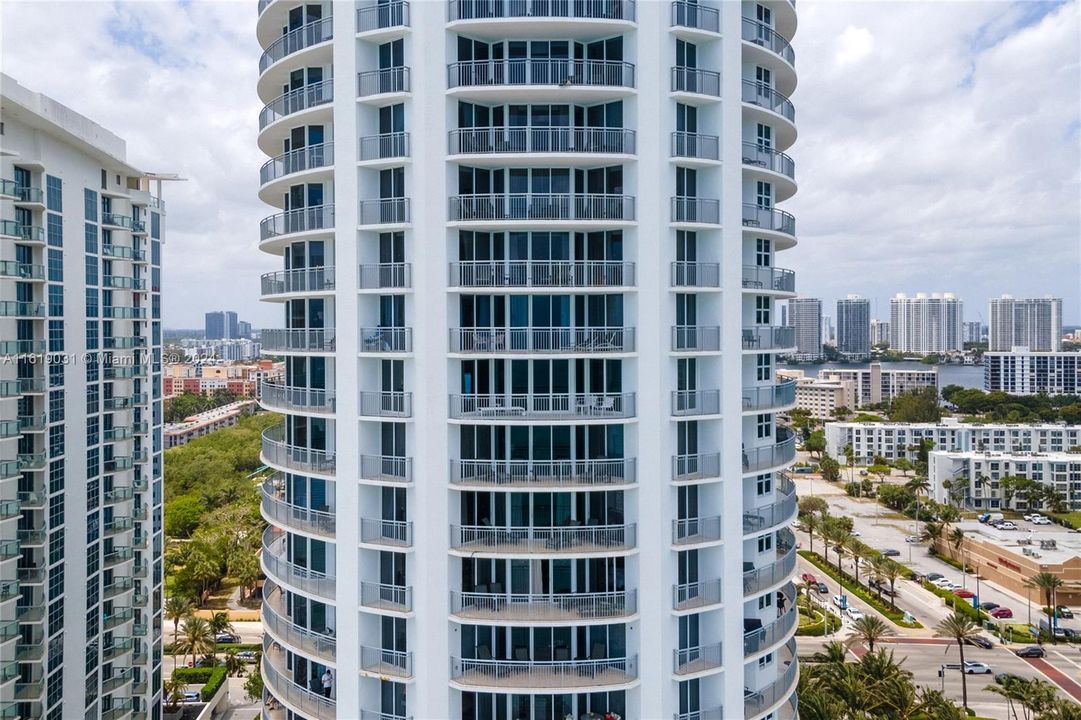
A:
(1025, 372)
(892, 440)
(926, 323)
(736, 473)
(973, 477)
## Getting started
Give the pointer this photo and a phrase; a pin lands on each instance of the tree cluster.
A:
(185, 404)
(1002, 407)
(916, 406)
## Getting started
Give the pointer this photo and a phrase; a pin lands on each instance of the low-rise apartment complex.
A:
(240, 380)
(877, 385)
(195, 426)
(899, 440)
(821, 396)
(1026, 372)
(974, 477)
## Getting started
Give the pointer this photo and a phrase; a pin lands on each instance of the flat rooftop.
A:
(1028, 536)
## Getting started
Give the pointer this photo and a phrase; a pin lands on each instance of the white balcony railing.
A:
(686, 403)
(570, 340)
(544, 673)
(564, 72)
(542, 206)
(541, 273)
(690, 596)
(568, 538)
(552, 406)
(555, 473)
(500, 140)
(540, 607)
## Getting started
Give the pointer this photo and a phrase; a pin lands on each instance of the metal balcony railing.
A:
(383, 15)
(384, 80)
(696, 466)
(762, 34)
(294, 101)
(775, 513)
(386, 340)
(696, 659)
(755, 155)
(384, 146)
(288, 574)
(384, 211)
(696, 16)
(384, 596)
(298, 340)
(770, 397)
(693, 531)
(696, 338)
(541, 607)
(312, 704)
(690, 596)
(296, 399)
(696, 210)
(541, 273)
(386, 276)
(309, 219)
(276, 619)
(542, 206)
(696, 274)
(386, 468)
(756, 579)
(568, 340)
(293, 41)
(544, 673)
(276, 451)
(769, 635)
(687, 403)
(311, 157)
(559, 473)
(771, 456)
(757, 277)
(26, 233)
(552, 406)
(480, 140)
(395, 663)
(762, 95)
(757, 701)
(768, 337)
(766, 218)
(694, 145)
(563, 72)
(577, 9)
(396, 404)
(21, 271)
(568, 538)
(392, 533)
(696, 80)
(280, 511)
(711, 714)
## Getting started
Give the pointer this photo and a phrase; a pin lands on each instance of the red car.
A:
(809, 579)
(961, 592)
(1002, 612)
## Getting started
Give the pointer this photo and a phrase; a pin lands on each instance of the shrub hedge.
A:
(212, 679)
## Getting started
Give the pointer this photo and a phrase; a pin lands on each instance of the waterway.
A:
(968, 376)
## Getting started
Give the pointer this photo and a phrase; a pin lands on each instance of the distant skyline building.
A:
(222, 325)
(1027, 372)
(927, 323)
(854, 327)
(243, 330)
(880, 332)
(1035, 323)
(805, 317)
(828, 338)
(973, 331)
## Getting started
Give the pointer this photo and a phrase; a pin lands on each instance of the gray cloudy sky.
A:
(939, 148)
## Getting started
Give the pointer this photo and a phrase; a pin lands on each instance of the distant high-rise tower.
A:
(214, 325)
(805, 316)
(1034, 323)
(926, 323)
(243, 329)
(854, 327)
(880, 332)
(973, 331)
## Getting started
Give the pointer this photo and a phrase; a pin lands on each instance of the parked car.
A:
(944, 584)
(931, 577)
(963, 593)
(1002, 612)
(1006, 525)
(224, 637)
(1001, 678)
(809, 579)
(988, 605)
(854, 613)
(1033, 651)
(980, 641)
(976, 668)
(990, 517)
(855, 533)
(821, 588)
(1042, 521)
(840, 601)
(191, 696)
(1030, 517)
(912, 539)
(1064, 612)
(890, 552)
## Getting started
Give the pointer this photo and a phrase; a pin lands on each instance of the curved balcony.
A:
(386, 533)
(769, 635)
(277, 624)
(593, 674)
(769, 397)
(695, 81)
(312, 157)
(570, 539)
(566, 207)
(299, 699)
(384, 81)
(290, 575)
(562, 340)
(385, 276)
(382, 596)
(768, 337)
(691, 403)
(779, 512)
(696, 338)
(396, 404)
(765, 97)
(310, 219)
(757, 157)
(295, 101)
(694, 210)
(695, 146)
(540, 10)
(697, 595)
(386, 340)
(540, 140)
(575, 407)
(385, 146)
(528, 72)
(533, 274)
(293, 41)
(310, 280)
(294, 340)
(757, 580)
(767, 278)
(755, 217)
(759, 703)
(764, 36)
(698, 660)
(384, 211)
(383, 16)
(696, 275)
(696, 467)
(277, 452)
(771, 457)
(285, 398)
(487, 607)
(696, 531)
(386, 469)
(278, 510)
(695, 16)
(513, 474)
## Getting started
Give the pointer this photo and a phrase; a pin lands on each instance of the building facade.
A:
(80, 481)
(222, 325)
(926, 323)
(880, 332)
(875, 385)
(200, 424)
(1027, 372)
(1035, 323)
(973, 332)
(820, 396)
(972, 477)
(504, 252)
(901, 440)
(854, 327)
(805, 317)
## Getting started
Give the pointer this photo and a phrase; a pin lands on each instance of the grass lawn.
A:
(1073, 518)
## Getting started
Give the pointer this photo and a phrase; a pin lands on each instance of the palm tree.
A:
(177, 607)
(195, 638)
(932, 531)
(890, 571)
(850, 458)
(832, 652)
(859, 551)
(812, 522)
(836, 533)
(1032, 696)
(957, 539)
(1048, 584)
(869, 630)
(173, 692)
(220, 623)
(961, 629)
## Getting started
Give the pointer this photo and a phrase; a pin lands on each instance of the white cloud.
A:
(854, 44)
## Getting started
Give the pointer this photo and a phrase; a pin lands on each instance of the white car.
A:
(1007, 525)
(1030, 518)
(977, 668)
(912, 539)
(838, 600)
(944, 584)
(854, 613)
(1041, 521)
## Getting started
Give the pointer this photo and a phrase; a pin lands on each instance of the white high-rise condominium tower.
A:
(80, 419)
(530, 465)
(1034, 323)
(854, 327)
(805, 316)
(926, 323)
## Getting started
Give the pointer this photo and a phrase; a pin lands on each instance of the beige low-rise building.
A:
(821, 396)
(196, 426)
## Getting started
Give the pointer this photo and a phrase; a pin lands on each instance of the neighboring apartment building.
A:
(805, 317)
(200, 424)
(973, 332)
(926, 323)
(876, 385)
(880, 332)
(820, 396)
(562, 489)
(900, 440)
(80, 418)
(1026, 372)
(854, 327)
(1035, 323)
(241, 380)
(973, 476)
